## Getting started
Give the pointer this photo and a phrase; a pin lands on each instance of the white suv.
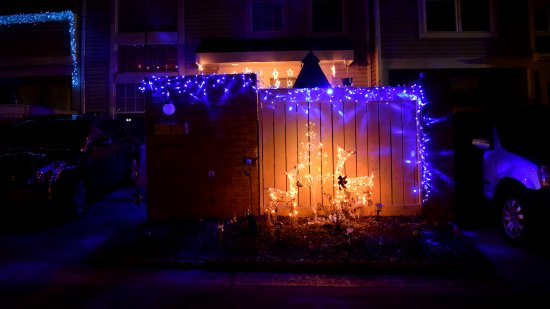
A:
(516, 170)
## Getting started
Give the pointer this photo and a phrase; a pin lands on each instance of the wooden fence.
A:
(309, 124)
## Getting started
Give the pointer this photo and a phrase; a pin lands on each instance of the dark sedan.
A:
(63, 162)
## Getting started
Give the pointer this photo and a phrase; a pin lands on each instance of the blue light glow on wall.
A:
(65, 16)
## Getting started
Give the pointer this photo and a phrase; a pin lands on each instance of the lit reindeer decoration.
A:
(285, 198)
(361, 186)
(351, 195)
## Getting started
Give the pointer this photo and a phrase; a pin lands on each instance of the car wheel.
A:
(514, 222)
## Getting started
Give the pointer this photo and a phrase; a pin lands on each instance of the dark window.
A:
(440, 15)
(147, 58)
(129, 99)
(458, 15)
(147, 15)
(541, 20)
(327, 15)
(267, 15)
(35, 6)
(543, 44)
(542, 39)
(475, 15)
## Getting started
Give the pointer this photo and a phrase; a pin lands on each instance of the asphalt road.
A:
(44, 265)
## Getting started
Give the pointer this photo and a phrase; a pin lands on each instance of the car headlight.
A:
(48, 174)
(544, 176)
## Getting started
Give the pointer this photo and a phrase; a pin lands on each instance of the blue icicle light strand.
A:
(197, 86)
(65, 16)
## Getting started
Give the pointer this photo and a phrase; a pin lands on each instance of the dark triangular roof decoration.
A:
(311, 75)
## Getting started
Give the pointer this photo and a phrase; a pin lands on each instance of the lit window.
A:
(267, 15)
(327, 15)
(459, 16)
(150, 58)
(282, 82)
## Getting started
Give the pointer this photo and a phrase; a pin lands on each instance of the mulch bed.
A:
(368, 245)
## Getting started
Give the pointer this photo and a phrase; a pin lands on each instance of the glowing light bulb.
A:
(169, 109)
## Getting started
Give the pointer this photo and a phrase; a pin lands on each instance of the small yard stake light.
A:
(378, 209)
(349, 233)
(278, 227)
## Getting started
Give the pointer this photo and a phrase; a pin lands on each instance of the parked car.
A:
(63, 162)
(516, 171)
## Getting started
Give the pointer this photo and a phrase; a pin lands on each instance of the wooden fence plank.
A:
(315, 155)
(373, 147)
(397, 155)
(411, 171)
(350, 137)
(338, 119)
(328, 146)
(291, 135)
(279, 138)
(385, 153)
(302, 117)
(361, 140)
(267, 152)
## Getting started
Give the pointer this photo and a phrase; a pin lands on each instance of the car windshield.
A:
(59, 133)
(525, 132)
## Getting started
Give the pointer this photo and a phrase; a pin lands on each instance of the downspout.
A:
(113, 59)
(181, 38)
(83, 58)
(377, 42)
(369, 24)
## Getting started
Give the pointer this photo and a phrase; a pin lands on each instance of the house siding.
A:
(97, 43)
(399, 23)
(232, 21)
(227, 20)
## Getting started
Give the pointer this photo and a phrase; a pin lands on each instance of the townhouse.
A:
(470, 55)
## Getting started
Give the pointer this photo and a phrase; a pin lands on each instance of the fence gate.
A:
(305, 127)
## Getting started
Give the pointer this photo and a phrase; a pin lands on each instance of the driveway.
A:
(526, 269)
(45, 265)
